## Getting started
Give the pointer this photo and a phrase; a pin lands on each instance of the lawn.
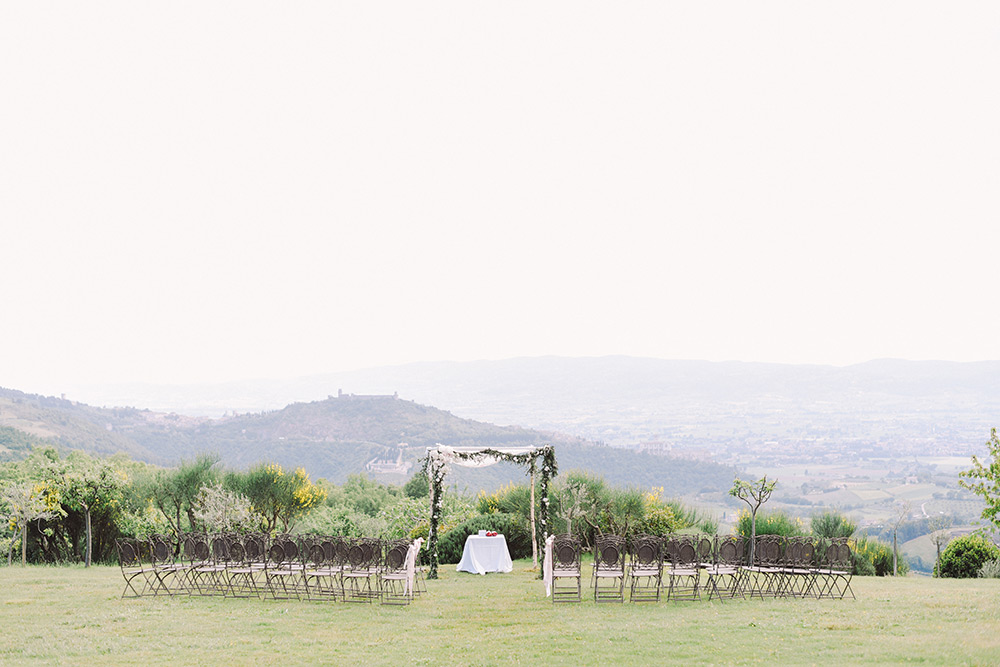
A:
(74, 616)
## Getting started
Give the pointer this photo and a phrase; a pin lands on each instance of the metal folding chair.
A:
(566, 553)
(136, 565)
(724, 572)
(646, 568)
(363, 556)
(609, 568)
(684, 571)
(393, 577)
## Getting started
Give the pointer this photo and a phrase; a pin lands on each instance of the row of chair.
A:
(280, 567)
(683, 566)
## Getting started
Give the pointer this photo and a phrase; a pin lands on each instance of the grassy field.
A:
(74, 616)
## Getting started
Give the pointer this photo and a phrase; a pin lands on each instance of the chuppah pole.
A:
(534, 535)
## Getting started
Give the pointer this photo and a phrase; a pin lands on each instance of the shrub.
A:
(833, 524)
(658, 521)
(964, 556)
(509, 499)
(990, 569)
(404, 517)
(769, 523)
(709, 525)
(873, 557)
(861, 567)
(684, 516)
(330, 521)
(511, 526)
(658, 517)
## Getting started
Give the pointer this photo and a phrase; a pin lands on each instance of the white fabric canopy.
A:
(450, 455)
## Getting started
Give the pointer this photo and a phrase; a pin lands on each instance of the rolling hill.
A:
(336, 437)
(735, 410)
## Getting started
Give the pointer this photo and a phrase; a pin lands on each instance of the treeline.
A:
(72, 508)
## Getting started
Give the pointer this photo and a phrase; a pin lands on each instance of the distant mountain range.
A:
(724, 410)
(331, 438)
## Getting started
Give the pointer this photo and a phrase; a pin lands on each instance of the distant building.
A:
(390, 465)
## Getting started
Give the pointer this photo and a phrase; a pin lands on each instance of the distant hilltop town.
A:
(341, 394)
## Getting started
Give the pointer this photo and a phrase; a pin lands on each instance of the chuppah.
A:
(536, 459)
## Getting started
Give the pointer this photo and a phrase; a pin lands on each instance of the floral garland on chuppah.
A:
(436, 468)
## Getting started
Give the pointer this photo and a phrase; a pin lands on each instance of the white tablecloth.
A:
(485, 554)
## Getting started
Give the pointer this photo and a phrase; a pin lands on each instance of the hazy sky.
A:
(204, 191)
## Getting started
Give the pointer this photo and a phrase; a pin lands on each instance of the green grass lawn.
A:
(75, 616)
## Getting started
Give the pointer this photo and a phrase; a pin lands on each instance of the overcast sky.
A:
(205, 191)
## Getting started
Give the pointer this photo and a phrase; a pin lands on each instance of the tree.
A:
(984, 480)
(225, 511)
(418, 486)
(175, 492)
(27, 502)
(577, 495)
(275, 495)
(939, 536)
(904, 511)
(89, 486)
(754, 494)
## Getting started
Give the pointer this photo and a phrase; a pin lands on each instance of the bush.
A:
(833, 524)
(511, 526)
(964, 556)
(509, 499)
(405, 517)
(658, 521)
(990, 570)
(873, 557)
(861, 567)
(330, 521)
(769, 523)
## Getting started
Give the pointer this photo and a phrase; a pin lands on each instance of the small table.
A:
(485, 554)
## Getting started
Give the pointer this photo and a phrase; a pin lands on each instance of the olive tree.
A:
(225, 511)
(27, 502)
(754, 494)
